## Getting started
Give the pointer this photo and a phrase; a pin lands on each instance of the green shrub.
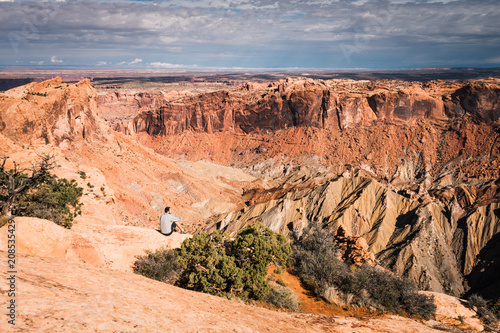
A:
(159, 265)
(38, 193)
(254, 249)
(51, 198)
(213, 264)
(283, 298)
(206, 265)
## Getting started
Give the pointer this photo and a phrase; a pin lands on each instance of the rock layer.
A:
(427, 241)
(333, 104)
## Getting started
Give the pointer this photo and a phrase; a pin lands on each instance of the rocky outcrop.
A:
(353, 249)
(475, 230)
(52, 112)
(111, 246)
(47, 239)
(479, 99)
(119, 107)
(420, 249)
(406, 105)
(453, 311)
(483, 279)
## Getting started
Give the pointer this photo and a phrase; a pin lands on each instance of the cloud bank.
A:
(253, 33)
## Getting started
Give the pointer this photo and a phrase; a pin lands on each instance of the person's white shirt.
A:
(166, 221)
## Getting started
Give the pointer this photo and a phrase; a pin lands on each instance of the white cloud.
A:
(135, 61)
(101, 63)
(37, 62)
(130, 63)
(168, 65)
(54, 60)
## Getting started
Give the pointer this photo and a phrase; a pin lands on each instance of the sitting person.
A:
(168, 223)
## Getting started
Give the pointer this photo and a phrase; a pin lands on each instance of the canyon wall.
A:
(333, 104)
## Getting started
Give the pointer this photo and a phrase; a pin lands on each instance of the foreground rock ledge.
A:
(58, 296)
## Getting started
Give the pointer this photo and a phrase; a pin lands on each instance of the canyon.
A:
(412, 169)
(408, 166)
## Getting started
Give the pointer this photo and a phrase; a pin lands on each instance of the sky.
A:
(249, 34)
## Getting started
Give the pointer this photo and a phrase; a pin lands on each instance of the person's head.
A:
(167, 209)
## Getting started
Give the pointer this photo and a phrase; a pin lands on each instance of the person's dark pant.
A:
(174, 228)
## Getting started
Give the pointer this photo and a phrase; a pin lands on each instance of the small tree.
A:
(207, 267)
(213, 264)
(14, 181)
(55, 199)
(39, 194)
(254, 249)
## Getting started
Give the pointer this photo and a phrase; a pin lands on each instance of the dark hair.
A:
(167, 209)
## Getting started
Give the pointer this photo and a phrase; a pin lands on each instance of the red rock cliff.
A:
(334, 105)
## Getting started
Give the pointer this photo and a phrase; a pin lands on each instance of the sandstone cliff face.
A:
(330, 105)
(120, 107)
(479, 99)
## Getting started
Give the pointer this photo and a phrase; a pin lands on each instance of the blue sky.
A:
(206, 34)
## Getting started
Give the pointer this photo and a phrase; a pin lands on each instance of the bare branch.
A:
(22, 185)
(4, 158)
(5, 172)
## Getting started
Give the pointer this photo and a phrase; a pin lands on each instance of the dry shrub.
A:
(284, 298)
(159, 265)
(316, 262)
